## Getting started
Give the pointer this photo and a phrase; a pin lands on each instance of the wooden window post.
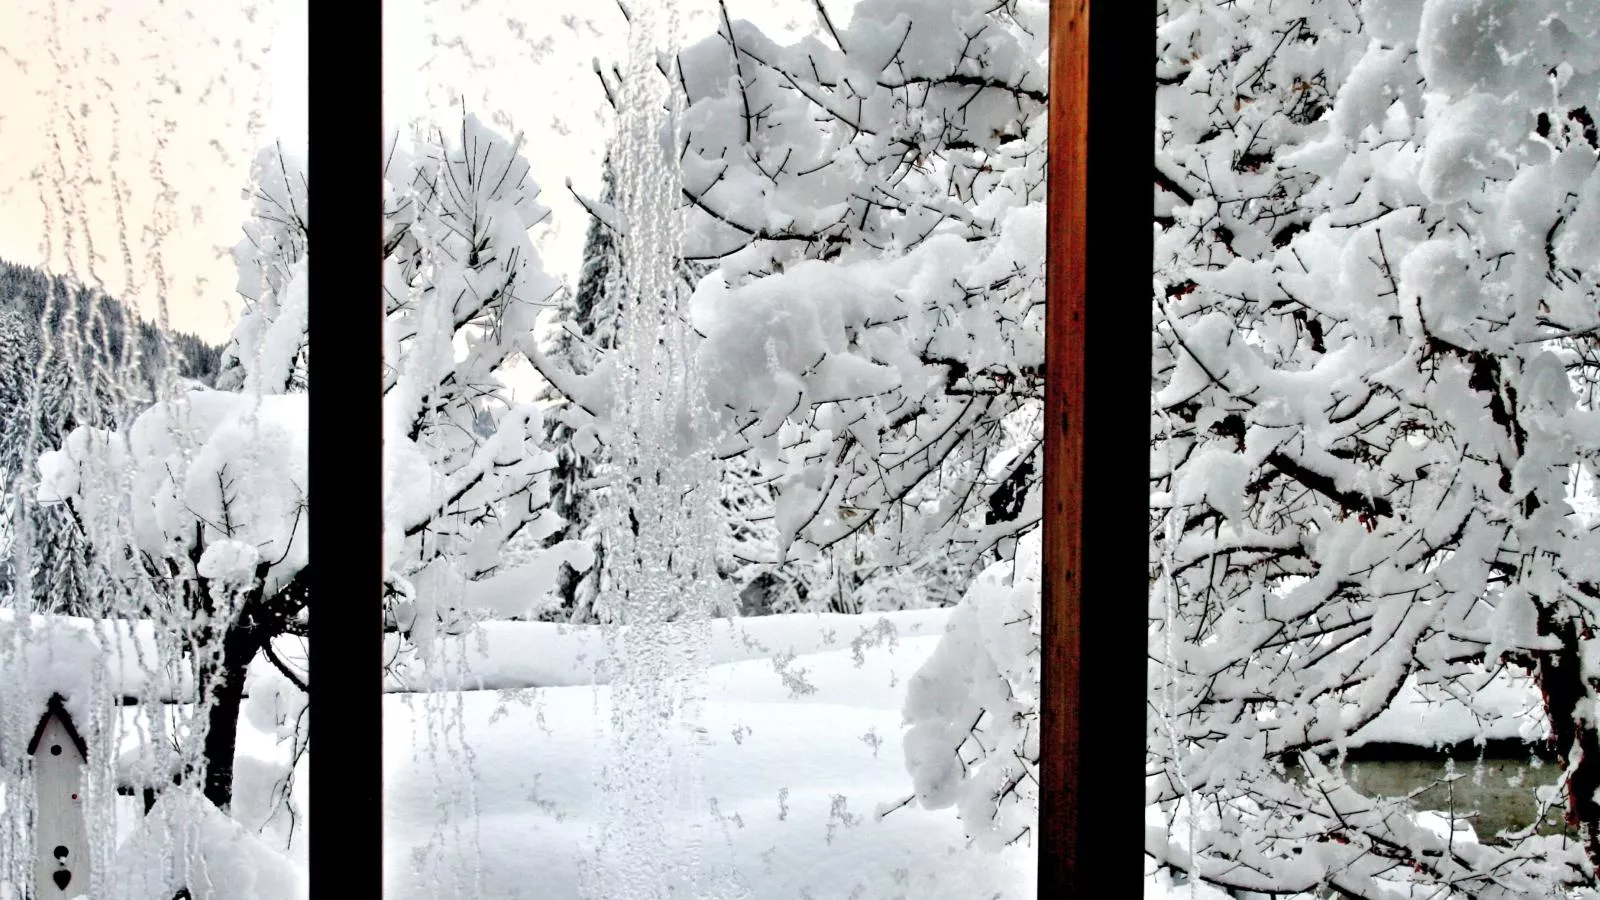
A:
(1097, 355)
(346, 150)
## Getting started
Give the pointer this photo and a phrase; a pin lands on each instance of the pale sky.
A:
(214, 81)
(128, 94)
(529, 66)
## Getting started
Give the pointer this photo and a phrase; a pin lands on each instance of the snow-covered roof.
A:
(56, 706)
(73, 658)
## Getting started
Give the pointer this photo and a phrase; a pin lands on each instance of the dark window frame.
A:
(1093, 684)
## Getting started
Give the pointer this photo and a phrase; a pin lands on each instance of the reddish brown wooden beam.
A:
(1096, 470)
(1061, 770)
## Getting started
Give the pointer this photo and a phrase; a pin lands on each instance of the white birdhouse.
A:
(61, 840)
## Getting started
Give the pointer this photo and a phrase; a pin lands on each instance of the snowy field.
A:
(796, 754)
(494, 793)
(797, 731)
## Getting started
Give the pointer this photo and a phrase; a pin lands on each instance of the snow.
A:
(1465, 45)
(187, 842)
(72, 656)
(1573, 248)
(790, 779)
(980, 690)
(508, 655)
(1393, 21)
(1506, 707)
(796, 775)
(1469, 143)
(1437, 277)
(1160, 885)
(1375, 84)
(1217, 477)
(230, 562)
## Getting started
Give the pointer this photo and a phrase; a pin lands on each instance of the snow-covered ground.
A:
(798, 736)
(498, 654)
(795, 736)
(796, 759)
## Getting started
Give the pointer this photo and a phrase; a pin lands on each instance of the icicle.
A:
(130, 633)
(660, 521)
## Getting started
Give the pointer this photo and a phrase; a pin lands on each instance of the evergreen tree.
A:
(65, 361)
(98, 324)
(586, 328)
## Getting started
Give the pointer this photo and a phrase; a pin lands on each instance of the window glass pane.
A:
(1373, 447)
(151, 461)
(716, 360)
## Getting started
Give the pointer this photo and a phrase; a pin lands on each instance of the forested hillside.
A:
(66, 360)
(101, 322)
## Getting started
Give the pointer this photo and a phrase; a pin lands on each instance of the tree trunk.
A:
(1574, 736)
(223, 685)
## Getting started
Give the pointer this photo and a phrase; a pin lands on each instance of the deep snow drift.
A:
(797, 756)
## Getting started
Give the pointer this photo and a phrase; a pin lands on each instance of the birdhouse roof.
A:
(57, 707)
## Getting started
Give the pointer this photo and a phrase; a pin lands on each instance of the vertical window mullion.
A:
(1102, 107)
(346, 449)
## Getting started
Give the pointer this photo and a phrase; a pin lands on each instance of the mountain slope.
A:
(67, 359)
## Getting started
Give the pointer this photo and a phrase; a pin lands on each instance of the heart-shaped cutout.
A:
(62, 878)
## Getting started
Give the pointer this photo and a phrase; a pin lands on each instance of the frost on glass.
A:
(1372, 503)
(775, 630)
(659, 517)
(153, 520)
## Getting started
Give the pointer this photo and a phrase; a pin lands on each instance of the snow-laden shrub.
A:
(973, 707)
(1373, 383)
(186, 843)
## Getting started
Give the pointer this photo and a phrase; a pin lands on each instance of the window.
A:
(151, 611)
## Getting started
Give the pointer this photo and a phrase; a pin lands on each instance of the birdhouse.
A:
(61, 839)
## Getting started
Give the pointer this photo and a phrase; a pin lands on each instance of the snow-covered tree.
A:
(873, 200)
(869, 206)
(1376, 298)
(467, 473)
(584, 330)
(196, 508)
